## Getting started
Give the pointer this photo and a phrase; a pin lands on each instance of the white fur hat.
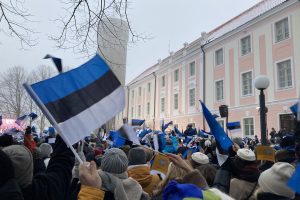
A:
(274, 180)
(246, 154)
(200, 158)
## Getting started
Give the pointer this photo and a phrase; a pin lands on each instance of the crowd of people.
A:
(41, 168)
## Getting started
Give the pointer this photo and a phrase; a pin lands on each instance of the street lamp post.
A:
(261, 82)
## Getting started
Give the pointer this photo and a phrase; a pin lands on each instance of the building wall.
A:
(265, 54)
(263, 59)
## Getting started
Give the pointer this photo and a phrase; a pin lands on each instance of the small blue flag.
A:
(56, 61)
(33, 116)
(294, 108)
(233, 125)
(20, 121)
(117, 139)
(179, 134)
(216, 129)
(294, 181)
(164, 127)
(137, 122)
(161, 141)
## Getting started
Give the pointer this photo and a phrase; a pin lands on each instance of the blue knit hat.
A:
(175, 191)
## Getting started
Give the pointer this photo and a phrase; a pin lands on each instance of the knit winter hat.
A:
(274, 180)
(246, 154)
(45, 150)
(22, 162)
(200, 158)
(114, 161)
(137, 156)
(207, 143)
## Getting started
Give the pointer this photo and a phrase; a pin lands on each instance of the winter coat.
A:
(268, 196)
(142, 175)
(241, 189)
(11, 190)
(90, 193)
(55, 182)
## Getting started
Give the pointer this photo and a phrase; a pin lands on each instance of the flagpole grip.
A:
(40, 104)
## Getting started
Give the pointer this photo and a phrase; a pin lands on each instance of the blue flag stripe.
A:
(71, 81)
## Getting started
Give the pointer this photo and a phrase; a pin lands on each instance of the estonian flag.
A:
(216, 129)
(33, 116)
(21, 120)
(137, 122)
(165, 126)
(80, 100)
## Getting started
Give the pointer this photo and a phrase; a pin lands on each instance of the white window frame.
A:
(161, 107)
(177, 101)
(243, 127)
(215, 91)
(274, 29)
(176, 70)
(276, 74)
(241, 83)
(194, 69)
(215, 57)
(191, 106)
(240, 45)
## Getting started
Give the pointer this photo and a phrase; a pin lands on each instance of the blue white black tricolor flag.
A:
(81, 99)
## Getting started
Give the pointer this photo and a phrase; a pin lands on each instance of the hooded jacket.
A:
(54, 183)
(141, 174)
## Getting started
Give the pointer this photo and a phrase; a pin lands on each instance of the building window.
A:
(192, 69)
(284, 74)
(140, 91)
(282, 30)
(176, 101)
(139, 110)
(131, 112)
(192, 97)
(162, 104)
(219, 57)
(132, 95)
(149, 87)
(247, 83)
(176, 75)
(246, 45)
(286, 122)
(248, 126)
(163, 81)
(148, 108)
(219, 90)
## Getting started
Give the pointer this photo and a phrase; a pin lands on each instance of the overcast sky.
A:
(169, 22)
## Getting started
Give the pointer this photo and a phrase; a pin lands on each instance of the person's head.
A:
(198, 159)
(173, 173)
(114, 161)
(137, 156)
(244, 157)
(273, 129)
(45, 150)
(274, 180)
(6, 168)
(208, 172)
(22, 162)
(6, 140)
(284, 155)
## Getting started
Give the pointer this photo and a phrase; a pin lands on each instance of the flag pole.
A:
(40, 104)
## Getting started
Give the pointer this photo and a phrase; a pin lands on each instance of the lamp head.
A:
(261, 82)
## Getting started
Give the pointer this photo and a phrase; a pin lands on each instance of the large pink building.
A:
(219, 68)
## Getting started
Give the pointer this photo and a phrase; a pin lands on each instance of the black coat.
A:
(54, 184)
(10, 190)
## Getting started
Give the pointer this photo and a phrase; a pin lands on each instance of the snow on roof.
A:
(246, 16)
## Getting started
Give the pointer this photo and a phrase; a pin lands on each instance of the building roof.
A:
(144, 74)
(246, 16)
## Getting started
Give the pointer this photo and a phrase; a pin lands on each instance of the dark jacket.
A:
(268, 196)
(10, 190)
(54, 184)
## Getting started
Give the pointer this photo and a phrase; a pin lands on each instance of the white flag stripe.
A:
(93, 117)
